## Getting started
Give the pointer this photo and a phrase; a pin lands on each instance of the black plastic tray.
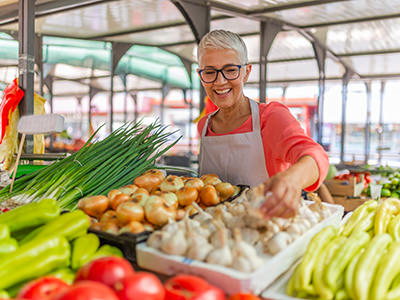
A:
(127, 242)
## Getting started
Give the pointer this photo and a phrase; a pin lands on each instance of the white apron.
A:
(235, 158)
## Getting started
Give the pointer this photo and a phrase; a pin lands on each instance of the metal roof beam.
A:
(10, 15)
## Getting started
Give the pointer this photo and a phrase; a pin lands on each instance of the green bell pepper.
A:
(65, 274)
(388, 268)
(70, 225)
(342, 257)
(83, 248)
(4, 232)
(367, 265)
(31, 214)
(314, 250)
(7, 246)
(34, 259)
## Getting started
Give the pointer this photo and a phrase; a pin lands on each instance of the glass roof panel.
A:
(188, 51)
(156, 37)
(256, 4)
(336, 11)
(333, 69)
(238, 25)
(375, 64)
(292, 70)
(63, 87)
(290, 44)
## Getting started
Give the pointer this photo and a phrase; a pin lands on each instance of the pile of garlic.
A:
(234, 234)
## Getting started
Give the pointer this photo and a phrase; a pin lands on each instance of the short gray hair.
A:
(223, 39)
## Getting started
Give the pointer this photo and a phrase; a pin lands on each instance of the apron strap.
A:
(255, 114)
(203, 133)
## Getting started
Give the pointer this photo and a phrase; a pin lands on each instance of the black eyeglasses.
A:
(230, 72)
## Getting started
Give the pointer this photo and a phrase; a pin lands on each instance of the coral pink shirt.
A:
(284, 141)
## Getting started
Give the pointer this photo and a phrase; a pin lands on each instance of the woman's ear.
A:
(248, 71)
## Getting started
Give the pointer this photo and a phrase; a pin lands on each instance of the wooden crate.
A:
(348, 187)
(349, 204)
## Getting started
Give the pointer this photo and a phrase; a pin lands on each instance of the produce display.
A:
(95, 169)
(153, 200)
(359, 260)
(36, 240)
(235, 234)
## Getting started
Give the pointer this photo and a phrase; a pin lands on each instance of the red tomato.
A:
(188, 287)
(42, 289)
(140, 286)
(243, 296)
(87, 290)
(108, 270)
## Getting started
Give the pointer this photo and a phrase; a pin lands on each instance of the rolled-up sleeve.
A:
(285, 142)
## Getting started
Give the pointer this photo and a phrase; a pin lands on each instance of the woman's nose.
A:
(220, 78)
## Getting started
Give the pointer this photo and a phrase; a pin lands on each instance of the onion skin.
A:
(148, 181)
(196, 183)
(117, 200)
(157, 211)
(156, 172)
(110, 226)
(171, 183)
(94, 206)
(128, 212)
(180, 214)
(128, 189)
(170, 198)
(209, 195)
(133, 227)
(210, 179)
(111, 194)
(108, 215)
(187, 195)
(225, 190)
(96, 226)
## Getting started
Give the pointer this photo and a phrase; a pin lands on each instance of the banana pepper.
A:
(31, 214)
(342, 258)
(349, 274)
(4, 232)
(70, 225)
(314, 250)
(65, 274)
(394, 228)
(321, 287)
(107, 250)
(366, 223)
(388, 268)
(367, 265)
(7, 246)
(359, 214)
(386, 210)
(34, 259)
(83, 248)
(4, 295)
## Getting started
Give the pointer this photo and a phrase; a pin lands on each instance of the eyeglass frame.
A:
(220, 71)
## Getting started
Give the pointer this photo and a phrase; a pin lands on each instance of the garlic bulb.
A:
(199, 247)
(244, 250)
(155, 239)
(249, 235)
(278, 242)
(176, 244)
(221, 255)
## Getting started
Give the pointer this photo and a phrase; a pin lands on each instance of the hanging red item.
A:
(12, 95)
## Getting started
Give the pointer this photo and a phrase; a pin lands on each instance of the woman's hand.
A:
(284, 199)
(285, 188)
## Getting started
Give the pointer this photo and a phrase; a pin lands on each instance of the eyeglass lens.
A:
(229, 72)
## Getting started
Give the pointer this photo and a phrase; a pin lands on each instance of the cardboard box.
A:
(348, 187)
(349, 204)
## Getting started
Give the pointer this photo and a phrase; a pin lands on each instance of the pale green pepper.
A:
(388, 268)
(342, 258)
(83, 249)
(394, 228)
(360, 213)
(386, 210)
(349, 274)
(367, 265)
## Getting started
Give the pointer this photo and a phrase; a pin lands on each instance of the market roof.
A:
(362, 34)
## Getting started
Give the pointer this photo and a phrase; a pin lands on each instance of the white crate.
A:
(230, 280)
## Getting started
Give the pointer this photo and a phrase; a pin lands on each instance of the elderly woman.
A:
(245, 142)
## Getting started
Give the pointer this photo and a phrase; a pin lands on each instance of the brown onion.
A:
(180, 214)
(148, 181)
(96, 226)
(110, 226)
(156, 172)
(225, 189)
(118, 199)
(191, 209)
(210, 179)
(171, 183)
(108, 215)
(133, 227)
(128, 212)
(170, 198)
(94, 206)
(128, 189)
(157, 211)
(187, 195)
(209, 195)
(196, 183)
(111, 194)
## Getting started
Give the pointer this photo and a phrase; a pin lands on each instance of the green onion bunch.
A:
(97, 167)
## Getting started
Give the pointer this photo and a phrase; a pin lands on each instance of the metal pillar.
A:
(164, 92)
(117, 51)
(190, 118)
(124, 82)
(48, 81)
(198, 17)
(320, 55)
(39, 61)
(135, 104)
(381, 123)
(268, 32)
(345, 81)
(26, 60)
(367, 148)
(92, 92)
